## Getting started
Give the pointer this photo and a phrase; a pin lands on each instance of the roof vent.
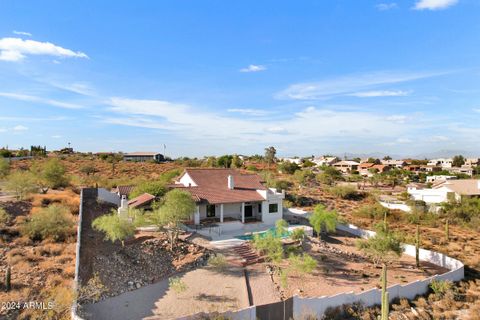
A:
(230, 182)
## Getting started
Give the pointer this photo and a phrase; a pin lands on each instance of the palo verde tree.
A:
(270, 153)
(178, 205)
(21, 183)
(114, 227)
(323, 220)
(51, 174)
(381, 247)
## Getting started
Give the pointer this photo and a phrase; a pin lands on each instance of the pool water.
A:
(263, 234)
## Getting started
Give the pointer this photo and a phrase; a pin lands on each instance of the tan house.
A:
(346, 166)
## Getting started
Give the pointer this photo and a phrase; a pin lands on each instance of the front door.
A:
(248, 211)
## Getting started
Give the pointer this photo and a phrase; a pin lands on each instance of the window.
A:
(210, 210)
(273, 208)
(259, 208)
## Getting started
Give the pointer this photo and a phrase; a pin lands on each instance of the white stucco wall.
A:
(186, 180)
(317, 306)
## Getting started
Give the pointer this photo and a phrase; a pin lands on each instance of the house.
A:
(473, 162)
(465, 169)
(446, 190)
(291, 160)
(231, 198)
(143, 201)
(325, 161)
(437, 178)
(394, 163)
(346, 166)
(143, 156)
(441, 162)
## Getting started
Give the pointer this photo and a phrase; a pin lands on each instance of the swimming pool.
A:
(263, 234)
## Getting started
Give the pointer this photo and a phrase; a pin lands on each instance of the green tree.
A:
(458, 161)
(155, 188)
(236, 162)
(114, 227)
(329, 175)
(54, 222)
(224, 161)
(270, 153)
(304, 176)
(88, 169)
(323, 220)
(178, 206)
(288, 167)
(270, 245)
(4, 167)
(53, 174)
(21, 183)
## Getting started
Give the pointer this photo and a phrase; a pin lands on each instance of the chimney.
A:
(230, 183)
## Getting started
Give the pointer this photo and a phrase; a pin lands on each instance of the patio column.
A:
(243, 212)
(221, 213)
(196, 217)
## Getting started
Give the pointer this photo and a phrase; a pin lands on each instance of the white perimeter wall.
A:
(317, 306)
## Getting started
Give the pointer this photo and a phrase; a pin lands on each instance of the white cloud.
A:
(253, 68)
(56, 136)
(403, 140)
(16, 49)
(434, 4)
(22, 33)
(194, 124)
(52, 102)
(3, 130)
(397, 118)
(438, 139)
(477, 110)
(18, 128)
(386, 6)
(348, 85)
(249, 112)
(380, 93)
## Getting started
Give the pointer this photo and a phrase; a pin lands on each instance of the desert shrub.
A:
(323, 220)
(283, 184)
(344, 192)
(440, 287)
(168, 176)
(4, 167)
(304, 176)
(288, 167)
(93, 290)
(52, 173)
(177, 284)
(298, 234)
(4, 217)
(372, 211)
(302, 264)
(218, 262)
(329, 175)
(155, 188)
(252, 168)
(52, 222)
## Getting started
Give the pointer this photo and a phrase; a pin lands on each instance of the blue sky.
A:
(215, 77)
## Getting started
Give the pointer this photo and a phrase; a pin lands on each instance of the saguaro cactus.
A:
(385, 300)
(8, 276)
(447, 231)
(417, 247)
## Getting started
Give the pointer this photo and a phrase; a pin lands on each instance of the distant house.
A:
(230, 198)
(472, 162)
(444, 191)
(143, 156)
(368, 169)
(465, 169)
(394, 163)
(325, 161)
(346, 166)
(292, 160)
(437, 178)
(441, 162)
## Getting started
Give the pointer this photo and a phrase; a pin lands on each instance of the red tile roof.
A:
(212, 186)
(141, 200)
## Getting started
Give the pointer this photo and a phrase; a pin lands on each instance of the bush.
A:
(283, 184)
(288, 167)
(52, 222)
(177, 284)
(21, 183)
(218, 262)
(53, 172)
(4, 217)
(4, 167)
(344, 192)
(252, 168)
(155, 188)
(373, 211)
(440, 287)
(298, 234)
